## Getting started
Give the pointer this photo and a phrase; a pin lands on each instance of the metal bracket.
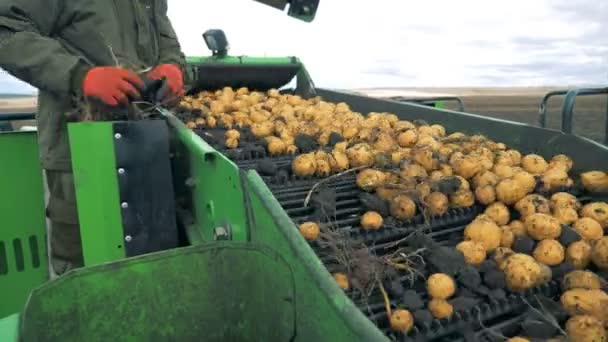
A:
(430, 101)
(221, 233)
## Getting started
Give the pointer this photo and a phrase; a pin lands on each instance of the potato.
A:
(424, 157)
(585, 328)
(549, 252)
(370, 179)
(501, 254)
(446, 170)
(342, 281)
(474, 253)
(436, 175)
(310, 230)
(565, 214)
(440, 308)
(260, 130)
(588, 228)
(440, 286)
(462, 199)
(484, 231)
(597, 211)
(579, 254)
(232, 143)
(518, 228)
(438, 130)
(385, 143)
(581, 280)
(467, 167)
(532, 204)
(341, 146)
(526, 180)
(521, 272)
(408, 138)
(401, 320)
(360, 155)
(371, 220)
(291, 149)
(563, 160)
(503, 171)
(304, 165)
(534, 164)
(485, 194)
(232, 134)
(464, 184)
(507, 238)
(599, 253)
(191, 124)
(595, 181)
(402, 208)
(499, 213)
(518, 339)
(509, 191)
(564, 199)
(555, 179)
(323, 167)
(413, 170)
(542, 226)
(485, 178)
(436, 203)
(338, 161)
(276, 146)
(584, 302)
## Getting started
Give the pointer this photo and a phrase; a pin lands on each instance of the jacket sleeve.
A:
(27, 50)
(170, 49)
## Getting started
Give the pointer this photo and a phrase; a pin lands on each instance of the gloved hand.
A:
(112, 85)
(174, 90)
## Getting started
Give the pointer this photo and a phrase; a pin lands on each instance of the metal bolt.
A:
(121, 171)
(124, 205)
(128, 238)
(117, 136)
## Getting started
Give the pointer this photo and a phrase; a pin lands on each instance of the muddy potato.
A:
(521, 272)
(191, 124)
(474, 253)
(440, 286)
(549, 252)
(588, 228)
(323, 168)
(369, 179)
(485, 178)
(402, 208)
(385, 143)
(565, 214)
(436, 203)
(484, 231)
(509, 191)
(232, 143)
(371, 220)
(360, 155)
(485, 194)
(464, 184)
(401, 320)
(341, 146)
(599, 253)
(262, 129)
(581, 280)
(595, 181)
(436, 175)
(499, 213)
(564, 199)
(518, 339)
(462, 199)
(584, 302)
(424, 157)
(413, 170)
(428, 141)
(275, 146)
(440, 308)
(518, 228)
(291, 149)
(564, 160)
(534, 164)
(585, 328)
(542, 226)
(503, 171)
(342, 281)
(579, 254)
(438, 130)
(338, 161)
(408, 138)
(467, 167)
(555, 179)
(533, 204)
(597, 211)
(507, 238)
(446, 170)
(310, 230)
(501, 254)
(526, 180)
(304, 165)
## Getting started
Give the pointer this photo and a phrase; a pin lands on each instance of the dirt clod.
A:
(495, 279)
(446, 260)
(463, 303)
(266, 167)
(372, 202)
(523, 244)
(469, 277)
(412, 300)
(487, 266)
(306, 143)
(568, 236)
(423, 316)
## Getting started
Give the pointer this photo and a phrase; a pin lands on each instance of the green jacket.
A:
(51, 44)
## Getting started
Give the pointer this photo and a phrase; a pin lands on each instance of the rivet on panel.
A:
(117, 136)
(128, 238)
(124, 205)
(121, 171)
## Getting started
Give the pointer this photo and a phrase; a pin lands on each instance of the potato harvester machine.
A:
(185, 240)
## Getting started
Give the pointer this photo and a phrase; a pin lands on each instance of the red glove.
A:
(175, 80)
(112, 85)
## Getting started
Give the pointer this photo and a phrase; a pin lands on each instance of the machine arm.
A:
(304, 10)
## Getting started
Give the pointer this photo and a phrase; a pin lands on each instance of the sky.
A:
(396, 43)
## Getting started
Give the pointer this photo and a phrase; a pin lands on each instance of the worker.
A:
(73, 51)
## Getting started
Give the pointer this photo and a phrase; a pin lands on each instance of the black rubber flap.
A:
(258, 77)
(145, 185)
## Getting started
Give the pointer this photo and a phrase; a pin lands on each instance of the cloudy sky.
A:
(353, 44)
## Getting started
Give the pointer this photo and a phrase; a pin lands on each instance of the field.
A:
(516, 104)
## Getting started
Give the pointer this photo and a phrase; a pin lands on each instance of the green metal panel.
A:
(325, 313)
(213, 183)
(9, 328)
(221, 292)
(94, 165)
(23, 256)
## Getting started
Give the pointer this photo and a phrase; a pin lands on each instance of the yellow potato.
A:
(564, 199)
(408, 138)
(542, 226)
(402, 208)
(549, 252)
(484, 231)
(474, 253)
(485, 194)
(436, 203)
(499, 213)
(526, 180)
(304, 165)
(521, 272)
(597, 211)
(588, 228)
(310, 230)
(595, 181)
(440, 286)
(565, 214)
(342, 281)
(507, 238)
(509, 191)
(585, 328)
(440, 308)
(534, 164)
(581, 280)
(599, 253)
(485, 178)
(401, 320)
(518, 228)
(579, 254)
(462, 199)
(371, 220)
(370, 179)
(532, 204)
(585, 302)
